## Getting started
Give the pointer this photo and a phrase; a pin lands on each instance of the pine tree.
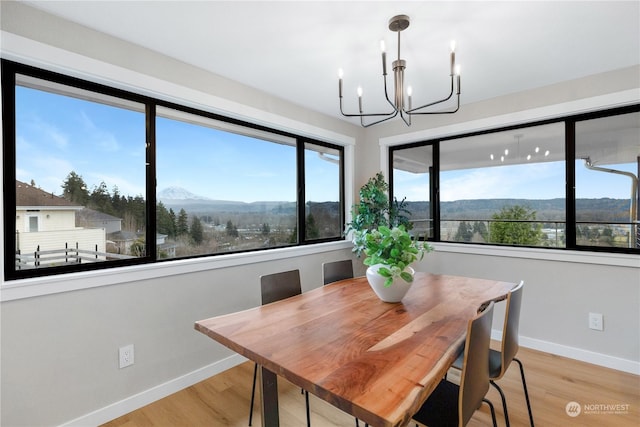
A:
(197, 233)
(312, 231)
(182, 225)
(74, 189)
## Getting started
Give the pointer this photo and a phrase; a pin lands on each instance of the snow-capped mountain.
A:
(179, 193)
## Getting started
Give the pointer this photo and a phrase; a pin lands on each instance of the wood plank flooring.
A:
(553, 382)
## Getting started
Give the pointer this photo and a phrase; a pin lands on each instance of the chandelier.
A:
(399, 107)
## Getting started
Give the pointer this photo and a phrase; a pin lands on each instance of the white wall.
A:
(561, 289)
(59, 351)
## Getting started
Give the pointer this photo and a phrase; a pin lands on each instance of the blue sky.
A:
(527, 181)
(58, 134)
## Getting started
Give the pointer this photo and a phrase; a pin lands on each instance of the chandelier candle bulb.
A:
(453, 56)
(360, 98)
(384, 57)
(458, 78)
(409, 93)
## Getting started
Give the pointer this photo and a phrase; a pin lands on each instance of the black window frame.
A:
(570, 149)
(9, 71)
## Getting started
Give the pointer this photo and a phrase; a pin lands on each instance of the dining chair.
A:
(275, 287)
(499, 360)
(452, 404)
(336, 270)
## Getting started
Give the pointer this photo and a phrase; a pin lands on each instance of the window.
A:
(322, 174)
(79, 157)
(514, 186)
(222, 188)
(607, 166)
(105, 178)
(33, 224)
(411, 181)
(504, 187)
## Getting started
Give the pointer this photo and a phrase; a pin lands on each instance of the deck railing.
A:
(64, 256)
(589, 233)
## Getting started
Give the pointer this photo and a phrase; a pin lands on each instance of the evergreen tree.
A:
(174, 231)
(311, 228)
(100, 199)
(196, 231)
(464, 233)
(118, 203)
(519, 229)
(480, 228)
(182, 226)
(265, 229)
(165, 223)
(75, 190)
(231, 229)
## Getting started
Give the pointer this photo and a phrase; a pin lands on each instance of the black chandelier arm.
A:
(424, 113)
(395, 113)
(411, 111)
(386, 92)
(404, 119)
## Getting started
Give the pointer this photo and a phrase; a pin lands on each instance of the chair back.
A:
(510, 329)
(337, 270)
(474, 379)
(278, 286)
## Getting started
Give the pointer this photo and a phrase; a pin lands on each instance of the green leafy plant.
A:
(374, 210)
(395, 249)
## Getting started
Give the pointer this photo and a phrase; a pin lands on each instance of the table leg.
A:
(269, 384)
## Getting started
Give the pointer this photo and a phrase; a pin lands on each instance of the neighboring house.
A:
(89, 218)
(122, 241)
(46, 222)
(166, 250)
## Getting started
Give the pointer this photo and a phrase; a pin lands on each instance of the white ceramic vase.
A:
(393, 293)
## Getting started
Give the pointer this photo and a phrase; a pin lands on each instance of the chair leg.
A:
(526, 392)
(493, 412)
(504, 402)
(253, 391)
(306, 401)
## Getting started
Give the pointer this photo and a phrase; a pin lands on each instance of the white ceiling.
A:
(292, 49)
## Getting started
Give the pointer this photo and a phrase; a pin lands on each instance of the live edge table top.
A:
(375, 360)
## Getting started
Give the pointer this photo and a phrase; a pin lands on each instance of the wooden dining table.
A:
(377, 361)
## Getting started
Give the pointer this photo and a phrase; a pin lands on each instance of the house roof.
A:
(93, 215)
(32, 197)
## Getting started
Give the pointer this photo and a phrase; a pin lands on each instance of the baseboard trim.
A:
(146, 397)
(605, 360)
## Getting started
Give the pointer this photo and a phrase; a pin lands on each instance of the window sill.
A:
(559, 255)
(39, 286)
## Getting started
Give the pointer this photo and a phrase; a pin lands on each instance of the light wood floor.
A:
(553, 382)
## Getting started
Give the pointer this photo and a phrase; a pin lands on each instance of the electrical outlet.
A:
(596, 322)
(126, 356)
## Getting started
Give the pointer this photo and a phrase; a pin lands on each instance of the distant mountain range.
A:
(604, 209)
(182, 198)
